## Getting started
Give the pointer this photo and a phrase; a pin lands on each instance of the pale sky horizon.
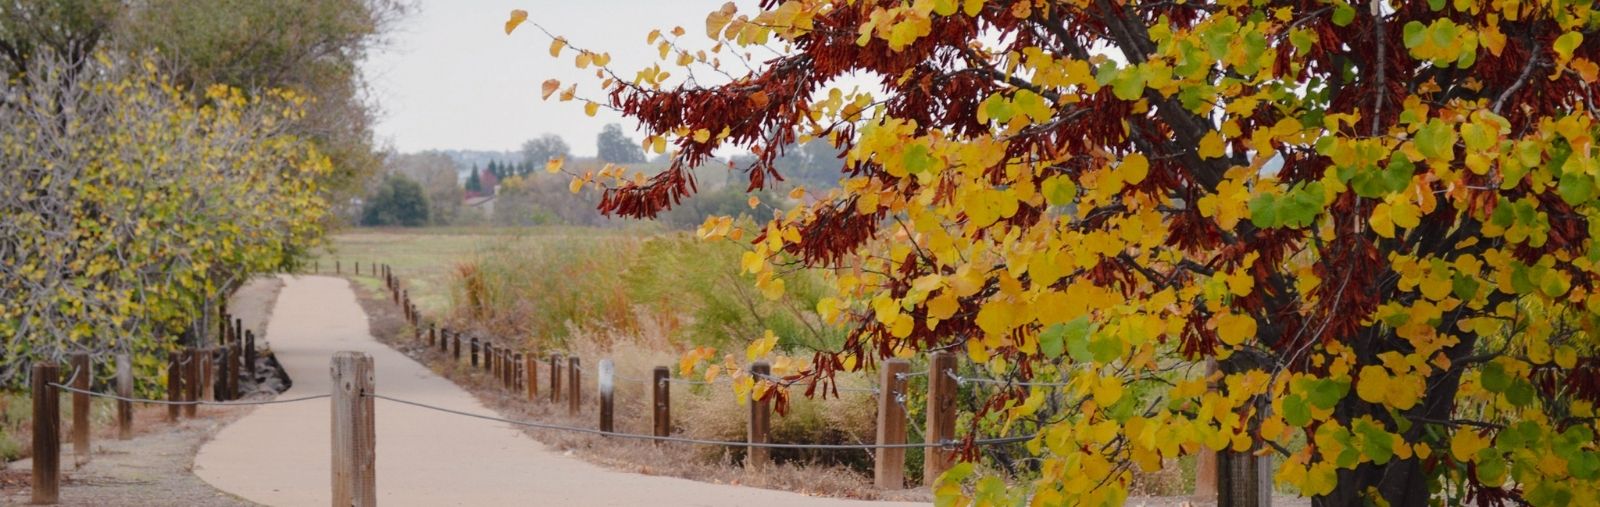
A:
(450, 78)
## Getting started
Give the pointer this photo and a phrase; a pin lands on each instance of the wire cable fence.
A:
(944, 444)
(185, 402)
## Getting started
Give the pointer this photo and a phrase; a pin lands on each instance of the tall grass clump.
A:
(542, 290)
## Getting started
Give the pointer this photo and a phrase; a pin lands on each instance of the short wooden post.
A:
(250, 355)
(662, 388)
(488, 356)
(225, 329)
(760, 425)
(354, 431)
(191, 383)
(433, 334)
(513, 366)
(941, 415)
(46, 434)
(555, 378)
(338, 267)
(241, 369)
(174, 384)
(125, 390)
(358, 268)
(574, 385)
(455, 346)
(889, 467)
(604, 378)
(238, 329)
(474, 352)
(514, 383)
(80, 407)
(208, 378)
(530, 367)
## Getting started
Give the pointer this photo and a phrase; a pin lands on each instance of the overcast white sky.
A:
(450, 78)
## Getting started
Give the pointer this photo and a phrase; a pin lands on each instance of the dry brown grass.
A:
(706, 412)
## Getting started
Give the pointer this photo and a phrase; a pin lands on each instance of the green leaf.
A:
(1576, 188)
(1567, 43)
(1520, 393)
(1295, 411)
(1264, 210)
(1059, 190)
(1051, 341)
(1494, 378)
(1105, 350)
(1415, 34)
(1129, 85)
(1325, 393)
(1343, 15)
(1437, 140)
(1077, 332)
(917, 159)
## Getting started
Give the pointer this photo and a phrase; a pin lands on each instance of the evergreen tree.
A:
(474, 184)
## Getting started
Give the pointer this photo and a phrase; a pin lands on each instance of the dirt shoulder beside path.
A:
(154, 468)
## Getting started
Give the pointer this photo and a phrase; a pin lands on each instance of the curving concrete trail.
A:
(279, 454)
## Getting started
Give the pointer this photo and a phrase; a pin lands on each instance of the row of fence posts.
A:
(518, 372)
(190, 377)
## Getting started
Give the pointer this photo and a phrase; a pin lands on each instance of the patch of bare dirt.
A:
(151, 469)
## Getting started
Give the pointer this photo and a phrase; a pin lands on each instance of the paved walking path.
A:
(279, 454)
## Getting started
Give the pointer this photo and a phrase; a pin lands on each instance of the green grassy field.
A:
(428, 258)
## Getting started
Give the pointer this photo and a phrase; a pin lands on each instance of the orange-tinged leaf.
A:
(591, 108)
(556, 45)
(1134, 168)
(517, 17)
(553, 165)
(549, 88)
(1234, 328)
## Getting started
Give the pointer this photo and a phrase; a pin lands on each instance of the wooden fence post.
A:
(488, 356)
(941, 415)
(455, 346)
(208, 378)
(514, 373)
(354, 431)
(555, 378)
(338, 267)
(604, 378)
(433, 334)
(80, 407)
(574, 385)
(662, 389)
(174, 384)
(191, 383)
(238, 329)
(250, 355)
(125, 390)
(46, 434)
(530, 366)
(889, 467)
(474, 352)
(760, 421)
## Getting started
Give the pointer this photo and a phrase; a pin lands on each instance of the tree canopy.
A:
(128, 210)
(616, 147)
(1377, 218)
(399, 201)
